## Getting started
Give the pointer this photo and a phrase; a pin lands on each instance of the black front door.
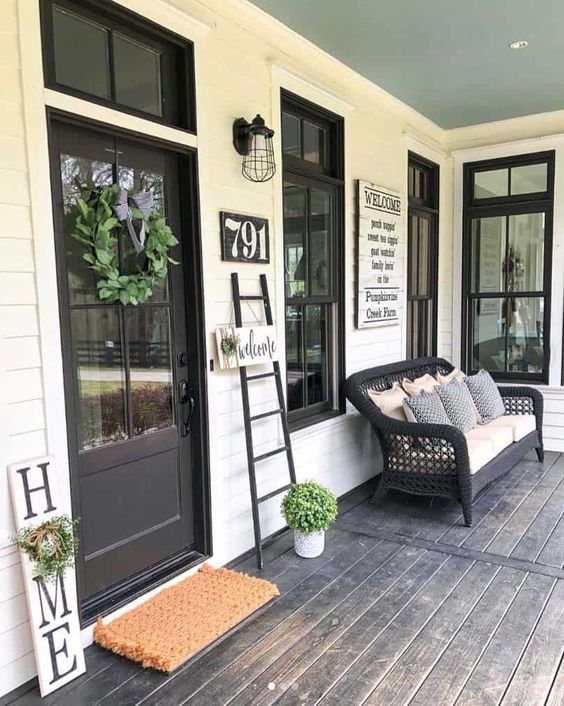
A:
(128, 373)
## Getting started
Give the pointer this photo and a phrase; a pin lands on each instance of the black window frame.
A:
(425, 207)
(505, 206)
(328, 177)
(177, 75)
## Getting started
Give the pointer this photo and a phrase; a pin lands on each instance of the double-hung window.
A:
(312, 142)
(422, 256)
(507, 265)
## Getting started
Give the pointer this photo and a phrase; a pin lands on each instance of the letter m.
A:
(52, 601)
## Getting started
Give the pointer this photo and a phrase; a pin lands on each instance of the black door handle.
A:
(187, 403)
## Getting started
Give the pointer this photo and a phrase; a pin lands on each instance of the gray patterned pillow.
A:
(425, 407)
(458, 405)
(486, 396)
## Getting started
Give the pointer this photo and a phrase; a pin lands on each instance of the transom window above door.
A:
(100, 52)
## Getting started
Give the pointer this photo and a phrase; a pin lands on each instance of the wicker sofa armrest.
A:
(521, 399)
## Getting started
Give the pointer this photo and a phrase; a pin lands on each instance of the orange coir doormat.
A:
(181, 620)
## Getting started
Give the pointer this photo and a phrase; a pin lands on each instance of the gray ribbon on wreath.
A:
(122, 208)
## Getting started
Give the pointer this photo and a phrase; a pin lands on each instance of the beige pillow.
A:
(426, 383)
(390, 402)
(456, 374)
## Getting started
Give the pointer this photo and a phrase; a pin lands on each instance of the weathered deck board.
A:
(296, 660)
(409, 671)
(492, 674)
(533, 678)
(406, 606)
(556, 696)
(447, 678)
(388, 641)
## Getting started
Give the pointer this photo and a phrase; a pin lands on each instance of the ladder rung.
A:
(262, 375)
(270, 453)
(274, 493)
(266, 414)
(252, 297)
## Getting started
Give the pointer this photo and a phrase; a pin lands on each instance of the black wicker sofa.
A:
(433, 459)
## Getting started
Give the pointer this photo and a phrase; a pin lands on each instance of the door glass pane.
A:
(83, 160)
(141, 169)
(316, 353)
(525, 266)
(137, 75)
(150, 366)
(494, 182)
(295, 230)
(98, 356)
(291, 142)
(529, 179)
(81, 53)
(525, 334)
(488, 334)
(423, 258)
(320, 242)
(314, 143)
(294, 358)
(488, 254)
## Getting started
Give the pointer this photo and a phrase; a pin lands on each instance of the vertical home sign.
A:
(380, 256)
(52, 605)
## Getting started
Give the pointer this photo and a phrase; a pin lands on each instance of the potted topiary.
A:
(309, 508)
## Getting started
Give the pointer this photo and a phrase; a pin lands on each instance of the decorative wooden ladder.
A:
(252, 460)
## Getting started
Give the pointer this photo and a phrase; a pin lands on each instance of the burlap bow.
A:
(122, 208)
(47, 531)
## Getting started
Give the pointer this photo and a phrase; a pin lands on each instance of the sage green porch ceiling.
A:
(448, 59)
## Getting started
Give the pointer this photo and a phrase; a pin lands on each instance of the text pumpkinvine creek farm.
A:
(381, 255)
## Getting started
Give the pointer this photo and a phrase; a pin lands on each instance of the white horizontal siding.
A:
(23, 433)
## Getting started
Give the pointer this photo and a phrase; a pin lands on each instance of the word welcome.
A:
(256, 345)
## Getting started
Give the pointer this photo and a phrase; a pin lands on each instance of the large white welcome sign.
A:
(254, 345)
(52, 605)
(380, 256)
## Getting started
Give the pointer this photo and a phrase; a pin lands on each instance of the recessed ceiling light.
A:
(519, 44)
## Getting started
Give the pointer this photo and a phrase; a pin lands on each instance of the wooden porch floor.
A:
(406, 606)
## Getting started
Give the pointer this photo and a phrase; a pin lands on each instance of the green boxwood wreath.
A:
(51, 546)
(97, 229)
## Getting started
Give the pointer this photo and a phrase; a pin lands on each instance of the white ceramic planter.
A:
(309, 546)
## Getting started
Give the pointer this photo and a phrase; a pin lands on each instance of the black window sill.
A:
(314, 419)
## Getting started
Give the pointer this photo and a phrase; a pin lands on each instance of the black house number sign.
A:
(244, 238)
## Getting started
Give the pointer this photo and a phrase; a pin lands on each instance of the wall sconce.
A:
(254, 142)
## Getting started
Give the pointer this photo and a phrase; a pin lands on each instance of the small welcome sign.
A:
(52, 604)
(250, 345)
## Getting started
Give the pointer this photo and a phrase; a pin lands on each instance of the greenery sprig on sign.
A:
(98, 229)
(229, 344)
(51, 546)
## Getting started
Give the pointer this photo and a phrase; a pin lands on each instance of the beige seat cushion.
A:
(520, 424)
(456, 374)
(390, 401)
(426, 383)
(480, 452)
(501, 437)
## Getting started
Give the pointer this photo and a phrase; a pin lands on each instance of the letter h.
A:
(28, 491)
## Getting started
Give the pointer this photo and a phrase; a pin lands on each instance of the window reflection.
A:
(525, 258)
(306, 355)
(150, 368)
(98, 352)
